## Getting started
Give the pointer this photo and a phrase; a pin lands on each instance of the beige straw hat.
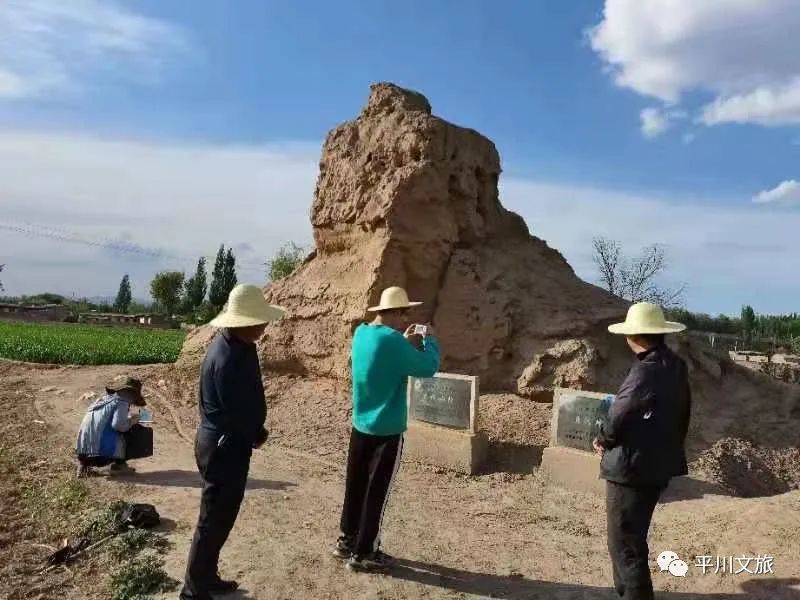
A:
(393, 298)
(646, 318)
(247, 307)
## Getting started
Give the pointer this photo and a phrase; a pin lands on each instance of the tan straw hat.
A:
(646, 318)
(393, 298)
(247, 307)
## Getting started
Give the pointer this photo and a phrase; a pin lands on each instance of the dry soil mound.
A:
(747, 470)
(406, 198)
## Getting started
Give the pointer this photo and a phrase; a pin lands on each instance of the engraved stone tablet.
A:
(577, 416)
(444, 399)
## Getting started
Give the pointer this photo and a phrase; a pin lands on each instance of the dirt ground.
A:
(498, 535)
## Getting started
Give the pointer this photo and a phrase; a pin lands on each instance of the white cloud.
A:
(49, 46)
(787, 193)
(654, 122)
(746, 53)
(765, 106)
(728, 254)
(170, 203)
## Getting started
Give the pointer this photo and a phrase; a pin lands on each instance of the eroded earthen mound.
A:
(406, 198)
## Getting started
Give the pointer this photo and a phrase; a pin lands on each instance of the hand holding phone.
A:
(421, 330)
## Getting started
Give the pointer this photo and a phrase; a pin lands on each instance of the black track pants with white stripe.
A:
(372, 464)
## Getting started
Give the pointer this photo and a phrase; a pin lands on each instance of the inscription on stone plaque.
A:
(444, 399)
(577, 416)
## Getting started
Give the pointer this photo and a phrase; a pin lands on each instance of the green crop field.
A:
(87, 344)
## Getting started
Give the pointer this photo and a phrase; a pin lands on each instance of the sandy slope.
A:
(494, 536)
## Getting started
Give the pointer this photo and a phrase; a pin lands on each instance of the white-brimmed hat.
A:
(393, 298)
(646, 318)
(247, 307)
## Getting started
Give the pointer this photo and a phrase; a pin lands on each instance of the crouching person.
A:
(383, 358)
(103, 431)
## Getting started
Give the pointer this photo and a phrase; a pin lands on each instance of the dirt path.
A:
(495, 536)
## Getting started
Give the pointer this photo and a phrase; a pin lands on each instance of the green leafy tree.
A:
(288, 258)
(217, 294)
(166, 290)
(141, 307)
(195, 288)
(50, 298)
(204, 313)
(229, 279)
(748, 322)
(124, 297)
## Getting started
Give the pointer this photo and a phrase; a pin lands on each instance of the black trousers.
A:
(223, 463)
(629, 511)
(372, 463)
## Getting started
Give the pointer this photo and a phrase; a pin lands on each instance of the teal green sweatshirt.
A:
(382, 361)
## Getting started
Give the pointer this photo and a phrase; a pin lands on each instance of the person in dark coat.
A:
(642, 444)
(232, 416)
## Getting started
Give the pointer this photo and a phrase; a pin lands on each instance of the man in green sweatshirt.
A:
(383, 358)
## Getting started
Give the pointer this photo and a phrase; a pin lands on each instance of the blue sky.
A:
(644, 121)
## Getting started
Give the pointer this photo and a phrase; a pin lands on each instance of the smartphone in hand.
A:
(421, 330)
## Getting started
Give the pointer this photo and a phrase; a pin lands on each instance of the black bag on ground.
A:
(138, 442)
(127, 516)
(139, 516)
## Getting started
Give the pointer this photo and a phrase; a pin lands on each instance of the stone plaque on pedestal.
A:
(445, 399)
(577, 416)
(570, 460)
(442, 413)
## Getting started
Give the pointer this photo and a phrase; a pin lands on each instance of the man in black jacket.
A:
(642, 444)
(232, 416)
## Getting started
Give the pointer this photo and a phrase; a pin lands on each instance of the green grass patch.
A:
(87, 344)
(103, 522)
(49, 499)
(135, 541)
(140, 577)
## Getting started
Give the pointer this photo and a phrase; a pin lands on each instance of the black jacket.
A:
(231, 392)
(646, 427)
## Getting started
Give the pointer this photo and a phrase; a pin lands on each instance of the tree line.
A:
(753, 331)
(636, 279)
(194, 299)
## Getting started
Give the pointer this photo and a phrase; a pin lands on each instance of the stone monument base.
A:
(460, 451)
(573, 469)
(579, 471)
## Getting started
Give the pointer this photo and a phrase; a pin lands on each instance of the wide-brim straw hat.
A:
(645, 318)
(394, 298)
(130, 384)
(247, 307)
